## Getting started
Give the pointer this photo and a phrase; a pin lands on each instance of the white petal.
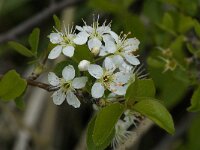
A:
(68, 73)
(88, 29)
(114, 35)
(110, 46)
(55, 38)
(109, 64)
(95, 71)
(119, 90)
(103, 29)
(107, 38)
(131, 44)
(73, 100)
(122, 78)
(103, 51)
(79, 28)
(58, 97)
(81, 38)
(94, 43)
(97, 90)
(118, 60)
(68, 51)
(132, 59)
(79, 83)
(126, 68)
(53, 79)
(55, 52)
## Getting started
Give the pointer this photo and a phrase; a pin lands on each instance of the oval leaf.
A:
(156, 112)
(21, 49)
(105, 122)
(140, 88)
(195, 101)
(34, 40)
(57, 22)
(12, 85)
(90, 142)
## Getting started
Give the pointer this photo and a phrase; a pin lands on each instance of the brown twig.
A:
(41, 85)
(35, 20)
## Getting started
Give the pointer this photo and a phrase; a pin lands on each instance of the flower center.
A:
(66, 86)
(106, 78)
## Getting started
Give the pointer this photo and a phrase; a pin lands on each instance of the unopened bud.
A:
(95, 50)
(83, 65)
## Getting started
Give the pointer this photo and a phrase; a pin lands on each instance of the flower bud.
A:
(83, 65)
(95, 50)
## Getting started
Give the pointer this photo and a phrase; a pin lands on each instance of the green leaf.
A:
(168, 21)
(90, 142)
(191, 49)
(193, 135)
(195, 101)
(82, 52)
(185, 23)
(197, 28)
(140, 88)
(156, 112)
(34, 40)
(21, 49)
(105, 122)
(57, 22)
(167, 24)
(11, 85)
(20, 103)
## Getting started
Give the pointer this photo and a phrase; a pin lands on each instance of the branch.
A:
(40, 17)
(41, 85)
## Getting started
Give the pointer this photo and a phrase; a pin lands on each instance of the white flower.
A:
(130, 118)
(64, 43)
(83, 65)
(106, 79)
(121, 134)
(122, 49)
(94, 33)
(67, 86)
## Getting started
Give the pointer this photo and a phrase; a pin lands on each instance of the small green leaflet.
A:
(105, 122)
(197, 28)
(11, 85)
(156, 112)
(34, 40)
(195, 101)
(57, 22)
(21, 49)
(19, 101)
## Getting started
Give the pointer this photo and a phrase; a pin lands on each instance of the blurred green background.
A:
(169, 33)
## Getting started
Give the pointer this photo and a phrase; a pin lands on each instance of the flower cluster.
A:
(113, 74)
(114, 68)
